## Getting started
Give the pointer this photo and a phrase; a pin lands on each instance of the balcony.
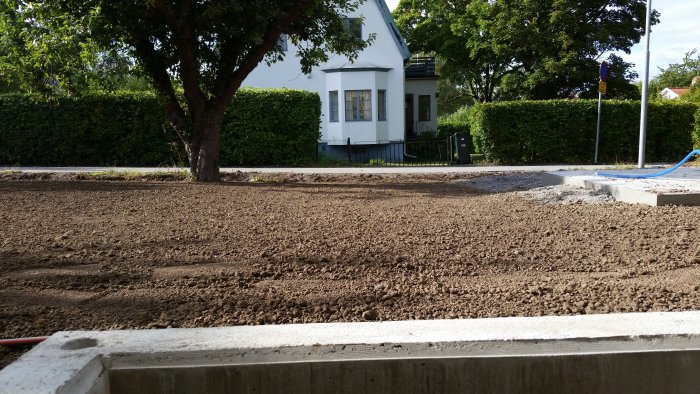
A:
(421, 67)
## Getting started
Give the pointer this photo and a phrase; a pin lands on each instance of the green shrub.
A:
(96, 129)
(129, 129)
(271, 126)
(564, 131)
(457, 122)
(696, 131)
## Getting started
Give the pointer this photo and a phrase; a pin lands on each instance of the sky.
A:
(677, 33)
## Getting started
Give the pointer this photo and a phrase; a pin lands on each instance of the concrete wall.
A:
(661, 372)
(617, 353)
(383, 53)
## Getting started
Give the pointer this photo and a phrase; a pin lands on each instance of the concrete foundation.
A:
(681, 187)
(621, 353)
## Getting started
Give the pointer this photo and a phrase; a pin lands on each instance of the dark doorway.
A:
(408, 112)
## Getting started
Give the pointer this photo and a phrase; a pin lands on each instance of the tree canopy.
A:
(51, 53)
(680, 75)
(534, 49)
(195, 53)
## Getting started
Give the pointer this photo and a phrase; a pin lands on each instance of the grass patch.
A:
(109, 175)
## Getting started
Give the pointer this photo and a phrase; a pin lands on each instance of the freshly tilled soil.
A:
(276, 249)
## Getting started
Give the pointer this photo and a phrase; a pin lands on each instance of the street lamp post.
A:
(645, 91)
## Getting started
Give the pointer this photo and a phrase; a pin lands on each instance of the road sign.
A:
(603, 87)
(604, 72)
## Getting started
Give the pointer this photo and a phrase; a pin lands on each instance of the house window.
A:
(354, 27)
(358, 105)
(333, 105)
(381, 105)
(282, 42)
(423, 108)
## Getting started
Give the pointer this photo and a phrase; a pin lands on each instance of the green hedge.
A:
(696, 131)
(457, 122)
(129, 129)
(563, 131)
(271, 126)
(115, 129)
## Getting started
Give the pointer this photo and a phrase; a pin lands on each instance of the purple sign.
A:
(604, 71)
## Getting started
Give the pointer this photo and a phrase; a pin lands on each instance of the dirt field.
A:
(295, 249)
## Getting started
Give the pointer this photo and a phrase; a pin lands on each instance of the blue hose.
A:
(664, 172)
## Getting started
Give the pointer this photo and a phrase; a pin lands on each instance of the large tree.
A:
(679, 75)
(536, 49)
(41, 52)
(198, 52)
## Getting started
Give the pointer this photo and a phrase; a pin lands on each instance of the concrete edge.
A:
(619, 192)
(68, 356)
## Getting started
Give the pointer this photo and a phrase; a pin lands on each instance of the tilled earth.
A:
(99, 254)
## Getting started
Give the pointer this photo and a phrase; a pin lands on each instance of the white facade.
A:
(421, 117)
(378, 71)
(673, 93)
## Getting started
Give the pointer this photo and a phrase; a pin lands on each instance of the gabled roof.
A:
(391, 24)
(673, 93)
(679, 91)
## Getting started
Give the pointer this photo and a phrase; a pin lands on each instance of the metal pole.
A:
(597, 133)
(645, 91)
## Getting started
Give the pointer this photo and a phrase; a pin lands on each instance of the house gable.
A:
(393, 29)
(362, 101)
(674, 93)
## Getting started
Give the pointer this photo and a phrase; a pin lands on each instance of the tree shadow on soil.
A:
(82, 186)
(432, 189)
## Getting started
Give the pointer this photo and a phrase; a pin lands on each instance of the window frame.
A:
(353, 106)
(353, 26)
(283, 42)
(333, 110)
(421, 102)
(381, 105)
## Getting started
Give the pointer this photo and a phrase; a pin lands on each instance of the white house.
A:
(673, 93)
(379, 100)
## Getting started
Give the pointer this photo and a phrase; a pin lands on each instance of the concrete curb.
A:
(95, 361)
(681, 187)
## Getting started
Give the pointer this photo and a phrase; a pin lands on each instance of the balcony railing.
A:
(421, 67)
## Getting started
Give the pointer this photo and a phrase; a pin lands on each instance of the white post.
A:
(645, 91)
(597, 132)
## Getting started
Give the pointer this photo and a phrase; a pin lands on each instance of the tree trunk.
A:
(203, 150)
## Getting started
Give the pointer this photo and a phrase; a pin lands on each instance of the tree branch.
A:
(234, 79)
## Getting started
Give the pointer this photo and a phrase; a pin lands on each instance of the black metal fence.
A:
(403, 153)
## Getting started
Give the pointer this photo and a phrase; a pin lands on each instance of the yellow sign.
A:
(603, 87)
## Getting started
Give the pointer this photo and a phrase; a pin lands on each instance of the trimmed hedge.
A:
(563, 131)
(129, 129)
(457, 122)
(696, 131)
(97, 129)
(271, 126)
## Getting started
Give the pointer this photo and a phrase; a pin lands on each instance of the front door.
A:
(408, 112)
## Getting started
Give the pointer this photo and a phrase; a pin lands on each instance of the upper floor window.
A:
(358, 105)
(354, 27)
(283, 42)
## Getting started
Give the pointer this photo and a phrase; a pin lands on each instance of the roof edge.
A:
(355, 69)
(394, 29)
